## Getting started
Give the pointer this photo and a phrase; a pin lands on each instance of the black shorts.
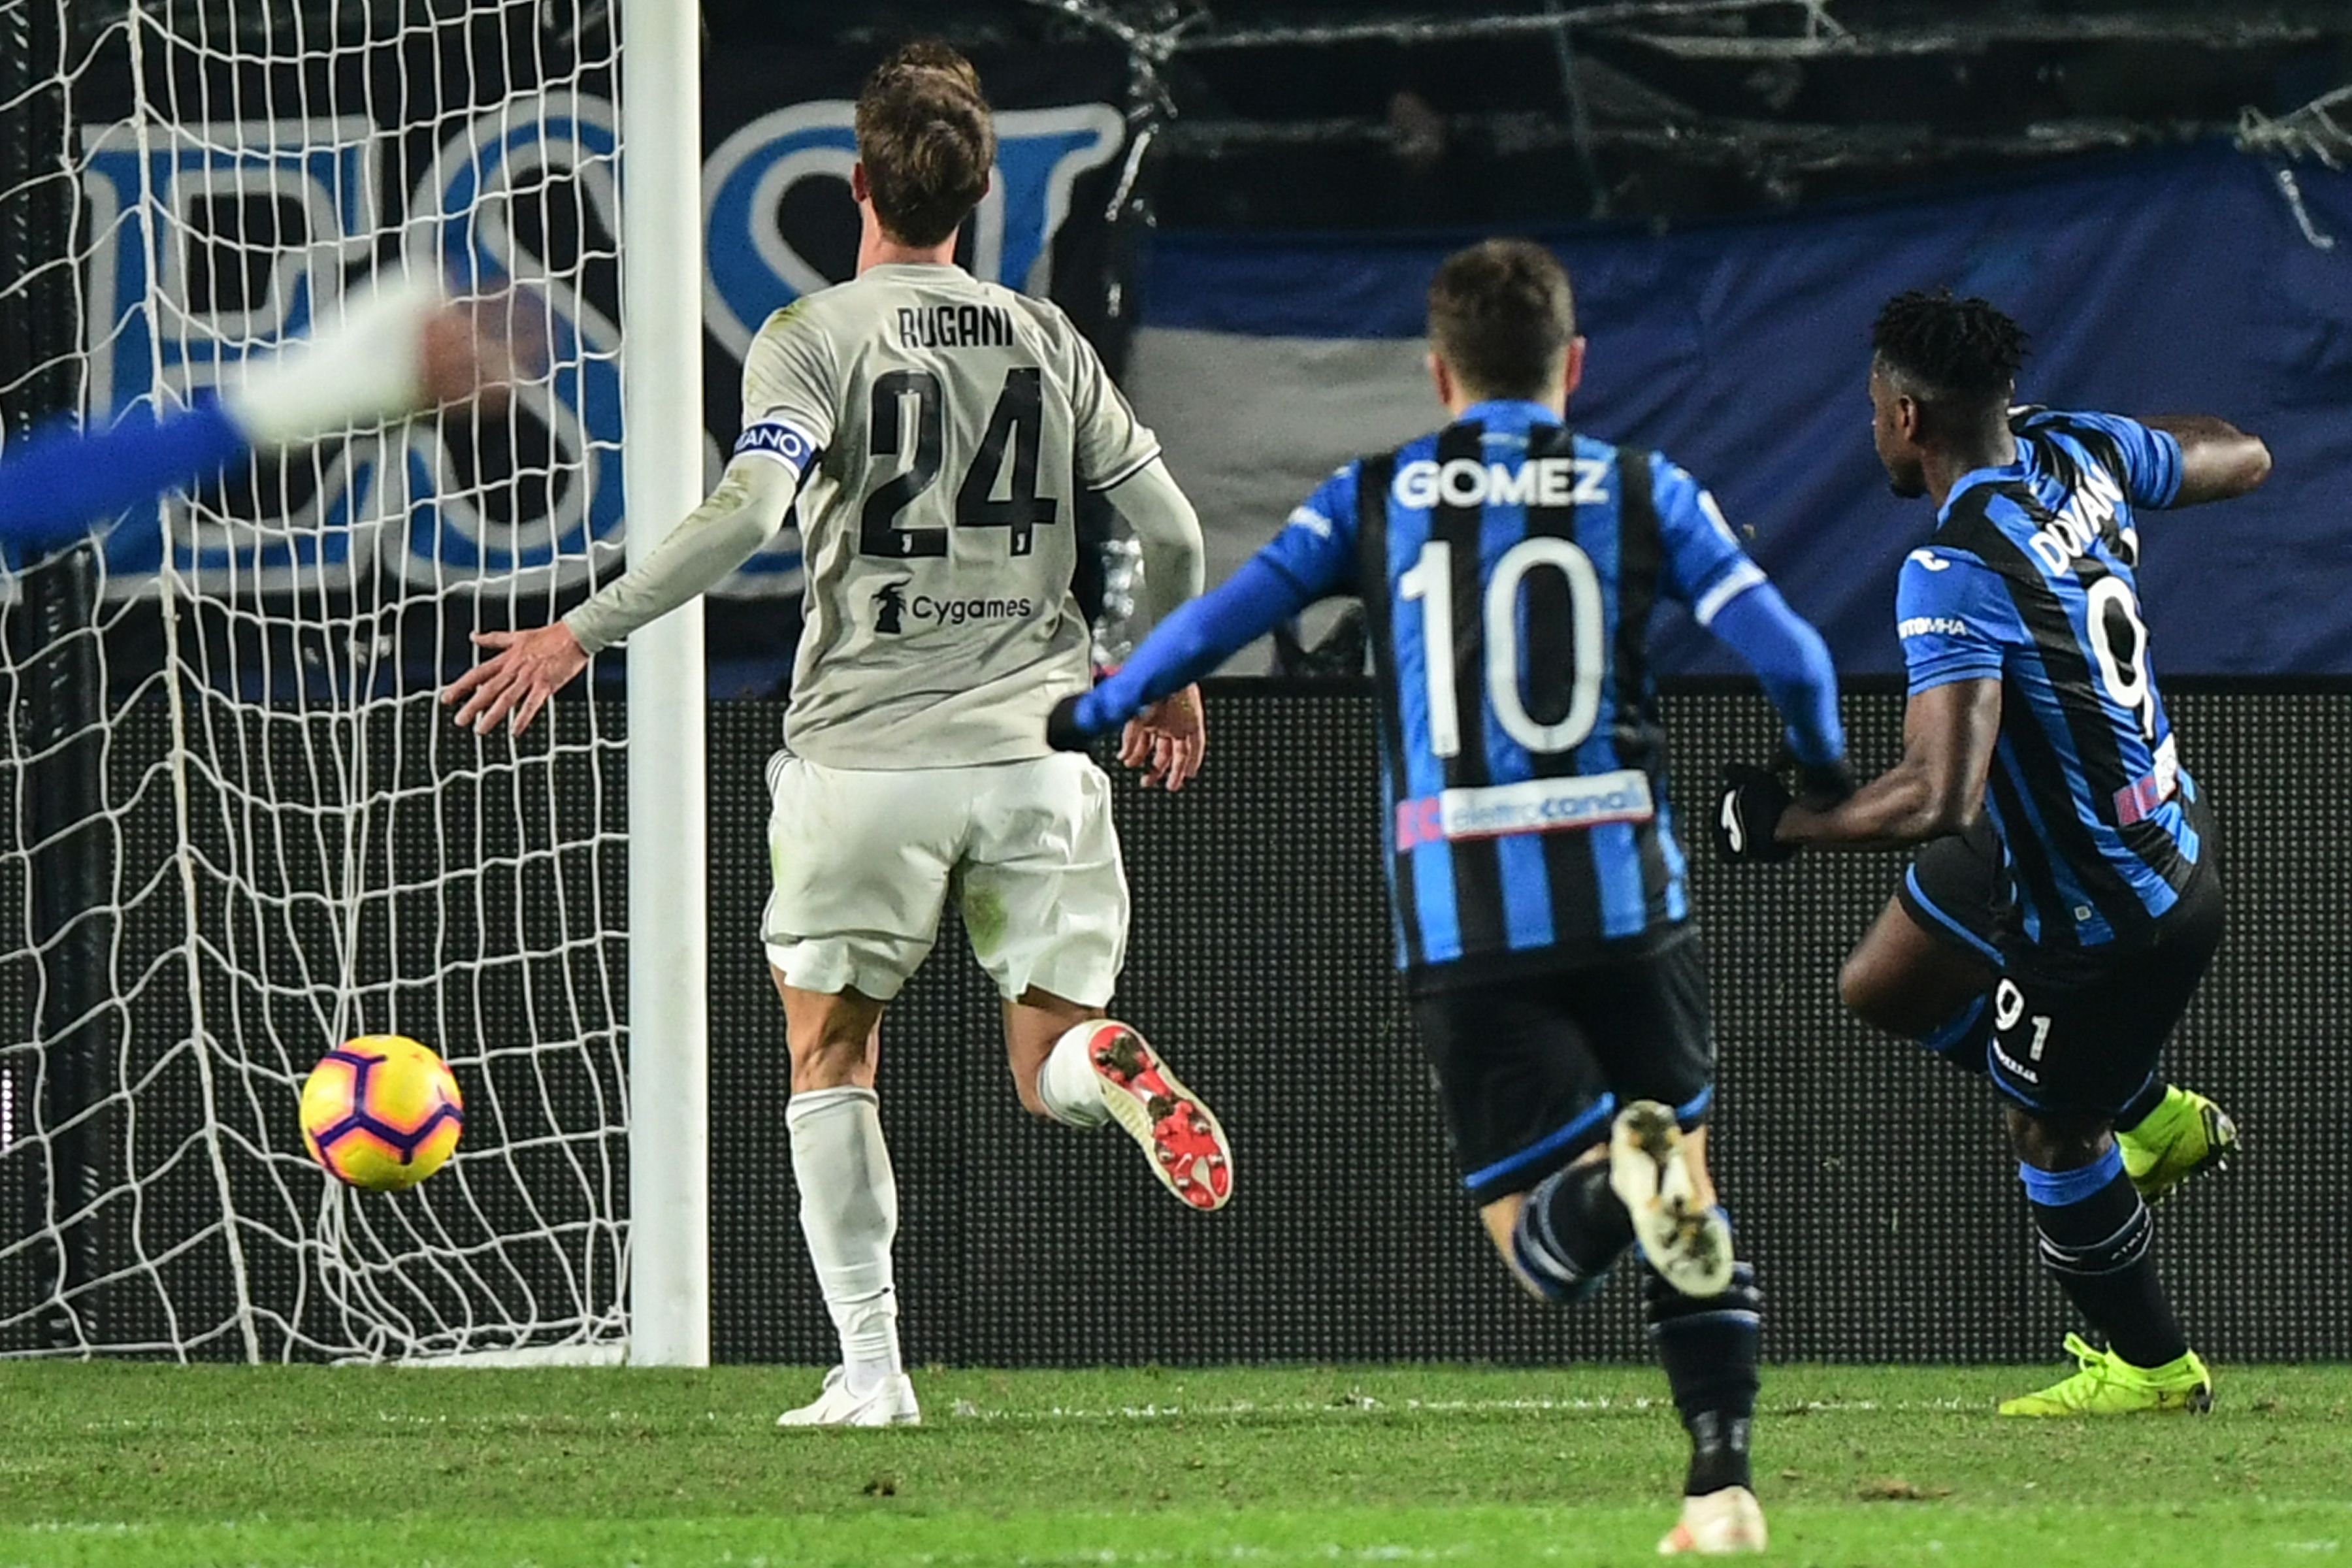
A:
(2080, 1030)
(1956, 890)
(1531, 1070)
(2074, 1029)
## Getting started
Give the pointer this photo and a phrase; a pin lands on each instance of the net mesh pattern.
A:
(1869, 1181)
(286, 846)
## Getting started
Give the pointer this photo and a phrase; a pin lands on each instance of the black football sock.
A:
(1570, 1231)
(1707, 1346)
(2095, 1235)
(1965, 1038)
(2142, 1105)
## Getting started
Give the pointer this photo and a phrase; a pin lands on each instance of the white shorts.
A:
(865, 860)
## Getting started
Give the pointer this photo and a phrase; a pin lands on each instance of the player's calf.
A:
(2095, 1234)
(1708, 1348)
(849, 1197)
(849, 1216)
(1569, 1228)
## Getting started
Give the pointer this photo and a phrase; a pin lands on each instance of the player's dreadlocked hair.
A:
(1961, 347)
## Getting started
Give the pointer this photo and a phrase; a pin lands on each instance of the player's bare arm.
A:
(527, 667)
(2218, 461)
(1938, 789)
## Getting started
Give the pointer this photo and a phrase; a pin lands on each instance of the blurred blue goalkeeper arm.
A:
(1792, 664)
(393, 347)
(1193, 640)
(61, 480)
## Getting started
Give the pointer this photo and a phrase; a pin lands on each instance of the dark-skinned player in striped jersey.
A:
(2070, 856)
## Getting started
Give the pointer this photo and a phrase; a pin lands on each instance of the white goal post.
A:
(661, 305)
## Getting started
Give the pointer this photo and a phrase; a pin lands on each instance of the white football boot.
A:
(1717, 1525)
(1180, 1137)
(890, 1403)
(1688, 1244)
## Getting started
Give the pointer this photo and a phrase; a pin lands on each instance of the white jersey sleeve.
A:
(1112, 445)
(791, 388)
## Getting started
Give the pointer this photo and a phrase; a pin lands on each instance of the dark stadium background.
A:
(1872, 1184)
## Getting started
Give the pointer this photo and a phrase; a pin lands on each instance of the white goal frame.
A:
(669, 1056)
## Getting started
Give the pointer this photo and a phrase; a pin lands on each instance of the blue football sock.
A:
(1570, 1230)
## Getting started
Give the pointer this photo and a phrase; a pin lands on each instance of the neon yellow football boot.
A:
(2106, 1384)
(2185, 1134)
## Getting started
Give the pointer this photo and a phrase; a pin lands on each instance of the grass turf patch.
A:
(113, 1464)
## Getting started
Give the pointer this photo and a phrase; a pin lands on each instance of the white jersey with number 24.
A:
(954, 424)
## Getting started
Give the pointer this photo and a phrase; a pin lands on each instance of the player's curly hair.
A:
(927, 139)
(1963, 348)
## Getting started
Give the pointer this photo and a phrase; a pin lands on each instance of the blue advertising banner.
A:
(2191, 281)
(225, 232)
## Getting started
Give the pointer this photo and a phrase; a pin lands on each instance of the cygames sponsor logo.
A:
(894, 606)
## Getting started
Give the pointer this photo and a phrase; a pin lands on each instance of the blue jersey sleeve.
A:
(1706, 568)
(1312, 557)
(1792, 664)
(2150, 458)
(1955, 618)
(63, 481)
(1317, 548)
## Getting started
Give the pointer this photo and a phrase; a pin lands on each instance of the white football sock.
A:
(849, 1211)
(1066, 1080)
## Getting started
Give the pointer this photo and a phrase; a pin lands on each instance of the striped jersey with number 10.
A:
(1509, 567)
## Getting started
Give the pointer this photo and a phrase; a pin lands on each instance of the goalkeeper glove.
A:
(1747, 811)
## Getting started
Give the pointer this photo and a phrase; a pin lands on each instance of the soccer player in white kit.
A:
(934, 430)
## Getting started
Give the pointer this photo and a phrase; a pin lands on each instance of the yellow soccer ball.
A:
(382, 1112)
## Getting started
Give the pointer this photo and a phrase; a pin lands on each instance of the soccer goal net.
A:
(240, 829)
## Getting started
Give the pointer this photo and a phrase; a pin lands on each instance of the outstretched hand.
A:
(1166, 741)
(528, 667)
(474, 350)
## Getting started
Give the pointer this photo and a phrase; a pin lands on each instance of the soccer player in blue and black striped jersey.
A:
(2035, 721)
(1508, 565)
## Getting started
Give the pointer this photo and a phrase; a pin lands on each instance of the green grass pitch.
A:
(376, 1467)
